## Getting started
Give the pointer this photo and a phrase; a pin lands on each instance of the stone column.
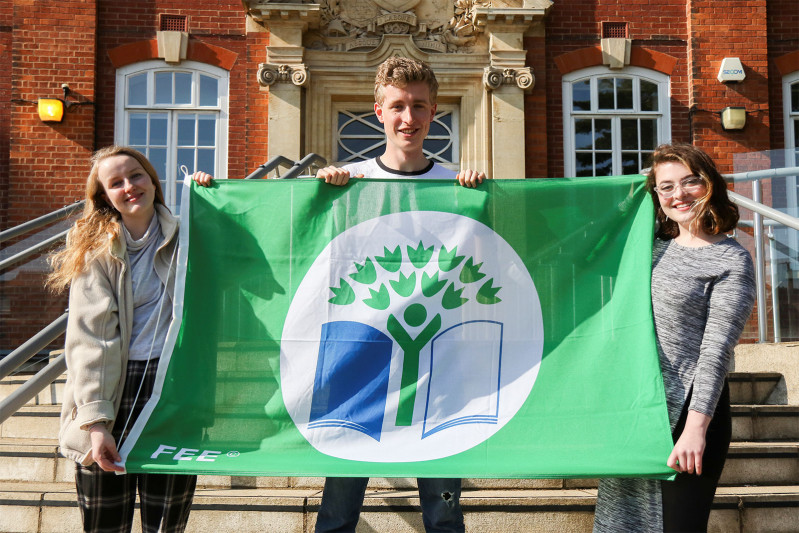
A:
(285, 74)
(507, 78)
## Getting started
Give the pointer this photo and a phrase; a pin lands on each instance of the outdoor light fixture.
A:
(733, 118)
(51, 109)
(54, 109)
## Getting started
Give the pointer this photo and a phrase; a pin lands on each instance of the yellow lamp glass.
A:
(51, 109)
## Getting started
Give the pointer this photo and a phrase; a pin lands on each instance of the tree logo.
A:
(413, 336)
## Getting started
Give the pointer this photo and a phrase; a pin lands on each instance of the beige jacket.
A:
(98, 337)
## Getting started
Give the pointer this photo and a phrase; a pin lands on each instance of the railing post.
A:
(760, 266)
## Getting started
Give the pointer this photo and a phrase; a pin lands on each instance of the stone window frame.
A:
(664, 109)
(121, 110)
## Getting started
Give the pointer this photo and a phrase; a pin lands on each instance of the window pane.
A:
(186, 130)
(795, 97)
(624, 93)
(646, 160)
(209, 91)
(158, 128)
(366, 124)
(185, 157)
(605, 93)
(137, 129)
(163, 87)
(157, 157)
(206, 130)
(604, 163)
(137, 89)
(583, 138)
(629, 134)
(205, 160)
(629, 163)
(182, 88)
(584, 165)
(649, 138)
(581, 95)
(649, 96)
(603, 138)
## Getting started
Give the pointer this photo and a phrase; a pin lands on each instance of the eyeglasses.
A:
(690, 184)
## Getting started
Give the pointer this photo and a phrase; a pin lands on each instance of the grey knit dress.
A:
(701, 300)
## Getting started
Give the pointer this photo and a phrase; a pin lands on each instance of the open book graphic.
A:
(351, 382)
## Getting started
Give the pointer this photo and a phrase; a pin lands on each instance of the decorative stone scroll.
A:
(271, 74)
(494, 78)
(437, 26)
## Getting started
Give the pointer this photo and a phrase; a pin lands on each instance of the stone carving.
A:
(494, 78)
(435, 26)
(271, 74)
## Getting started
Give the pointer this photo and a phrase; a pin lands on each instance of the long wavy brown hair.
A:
(98, 226)
(715, 212)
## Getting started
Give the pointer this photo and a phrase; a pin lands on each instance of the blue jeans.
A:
(343, 497)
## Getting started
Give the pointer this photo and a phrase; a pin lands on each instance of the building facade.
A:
(529, 89)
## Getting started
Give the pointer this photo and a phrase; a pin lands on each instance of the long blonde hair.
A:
(96, 229)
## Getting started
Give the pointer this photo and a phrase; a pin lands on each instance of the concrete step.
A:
(747, 388)
(51, 395)
(761, 463)
(765, 422)
(51, 508)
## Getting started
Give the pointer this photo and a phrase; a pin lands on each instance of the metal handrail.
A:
(43, 220)
(766, 211)
(269, 166)
(763, 174)
(36, 248)
(302, 164)
(33, 386)
(32, 346)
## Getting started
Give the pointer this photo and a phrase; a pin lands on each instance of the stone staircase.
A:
(759, 492)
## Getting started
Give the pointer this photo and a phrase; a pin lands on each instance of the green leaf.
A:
(448, 260)
(404, 286)
(380, 298)
(366, 272)
(391, 261)
(488, 293)
(420, 256)
(431, 285)
(452, 297)
(343, 294)
(471, 272)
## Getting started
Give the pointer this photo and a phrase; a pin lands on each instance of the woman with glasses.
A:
(703, 290)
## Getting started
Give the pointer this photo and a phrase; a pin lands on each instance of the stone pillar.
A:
(285, 74)
(507, 78)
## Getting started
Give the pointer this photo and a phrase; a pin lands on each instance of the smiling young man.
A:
(405, 103)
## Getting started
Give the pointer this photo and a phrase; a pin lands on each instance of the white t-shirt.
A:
(374, 168)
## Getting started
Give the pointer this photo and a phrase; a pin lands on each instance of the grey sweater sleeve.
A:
(730, 304)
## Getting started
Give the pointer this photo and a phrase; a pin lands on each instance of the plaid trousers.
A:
(107, 500)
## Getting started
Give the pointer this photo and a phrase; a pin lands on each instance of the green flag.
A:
(410, 328)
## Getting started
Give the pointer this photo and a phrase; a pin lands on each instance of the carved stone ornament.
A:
(494, 78)
(435, 25)
(271, 74)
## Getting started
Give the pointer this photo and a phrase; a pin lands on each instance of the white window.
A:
(359, 135)
(176, 116)
(613, 120)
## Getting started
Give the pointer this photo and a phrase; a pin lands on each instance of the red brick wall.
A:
(46, 163)
(576, 24)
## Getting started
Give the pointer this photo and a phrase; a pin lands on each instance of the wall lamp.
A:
(54, 109)
(733, 118)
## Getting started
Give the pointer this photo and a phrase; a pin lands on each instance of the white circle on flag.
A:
(341, 363)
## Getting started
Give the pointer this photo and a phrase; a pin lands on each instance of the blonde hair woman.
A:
(119, 266)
